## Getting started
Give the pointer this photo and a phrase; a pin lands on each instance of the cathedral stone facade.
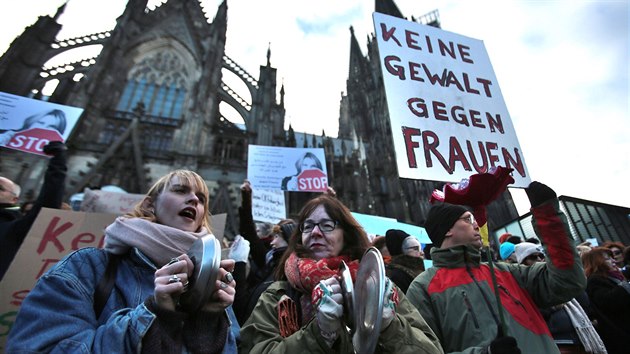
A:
(151, 104)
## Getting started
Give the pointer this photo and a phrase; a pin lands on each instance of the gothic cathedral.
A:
(151, 104)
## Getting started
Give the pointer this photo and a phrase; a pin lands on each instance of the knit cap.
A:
(394, 240)
(526, 249)
(506, 250)
(441, 218)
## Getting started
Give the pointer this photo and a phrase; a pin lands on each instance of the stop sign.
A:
(33, 140)
(312, 181)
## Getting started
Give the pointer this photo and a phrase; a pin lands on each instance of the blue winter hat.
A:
(506, 250)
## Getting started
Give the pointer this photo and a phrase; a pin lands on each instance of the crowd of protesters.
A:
(279, 290)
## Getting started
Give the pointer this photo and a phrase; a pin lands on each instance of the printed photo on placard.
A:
(28, 124)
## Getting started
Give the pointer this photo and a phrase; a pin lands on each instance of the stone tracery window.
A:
(159, 80)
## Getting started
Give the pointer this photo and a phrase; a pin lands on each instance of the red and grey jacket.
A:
(456, 296)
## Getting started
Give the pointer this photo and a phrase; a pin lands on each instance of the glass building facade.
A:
(587, 220)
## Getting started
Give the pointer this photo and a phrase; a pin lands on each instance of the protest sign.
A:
(99, 201)
(55, 234)
(448, 117)
(29, 124)
(378, 225)
(268, 205)
(272, 167)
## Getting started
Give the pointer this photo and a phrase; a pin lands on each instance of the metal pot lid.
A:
(369, 288)
(205, 254)
(347, 290)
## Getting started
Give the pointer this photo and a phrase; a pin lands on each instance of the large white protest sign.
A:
(28, 124)
(268, 205)
(284, 168)
(447, 112)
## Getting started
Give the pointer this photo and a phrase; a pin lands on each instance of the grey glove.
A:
(329, 309)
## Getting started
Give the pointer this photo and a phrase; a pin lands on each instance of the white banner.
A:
(28, 125)
(447, 112)
(284, 168)
(268, 205)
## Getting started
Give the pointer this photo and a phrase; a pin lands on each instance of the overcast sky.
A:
(562, 67)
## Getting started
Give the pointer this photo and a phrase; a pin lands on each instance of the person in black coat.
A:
(14, 226)
(609, 294)
(406, 258)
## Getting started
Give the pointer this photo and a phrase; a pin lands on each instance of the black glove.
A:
(503, 345)
(55, 148)
(539, 193)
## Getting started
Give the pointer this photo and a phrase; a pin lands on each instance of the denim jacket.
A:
(58, 315)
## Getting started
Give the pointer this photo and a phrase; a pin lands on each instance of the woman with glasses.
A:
(610, 299)
(303, 310)
(616, 248)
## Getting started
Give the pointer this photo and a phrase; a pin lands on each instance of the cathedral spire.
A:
(282, 94)
(60, 11)
(356, 56)
(387, 7)
(269, 55)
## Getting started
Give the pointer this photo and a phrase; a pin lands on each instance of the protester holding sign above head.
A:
(307, 162)
(474, 308)
(145, 260)
(249, 291)
(13, 225)
(303, 311)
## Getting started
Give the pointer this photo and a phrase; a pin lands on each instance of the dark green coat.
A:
(408, 333)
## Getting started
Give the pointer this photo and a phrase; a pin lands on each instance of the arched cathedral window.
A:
(159, 81)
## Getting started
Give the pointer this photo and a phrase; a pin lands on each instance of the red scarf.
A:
(304, 274)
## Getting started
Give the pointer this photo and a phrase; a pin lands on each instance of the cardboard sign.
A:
(27, 124)
(98, 201)
(448, 117)
(55, 234)
(273, 167)
(268, 205)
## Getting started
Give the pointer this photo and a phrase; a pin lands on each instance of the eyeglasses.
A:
(325, 225)
(616, 252)
(469, 219)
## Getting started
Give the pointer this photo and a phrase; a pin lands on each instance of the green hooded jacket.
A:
(457, 299)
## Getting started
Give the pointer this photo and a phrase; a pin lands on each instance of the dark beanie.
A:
(441, 218)
(394, 240)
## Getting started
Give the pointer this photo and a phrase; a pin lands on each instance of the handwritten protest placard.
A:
(290, 169)
(98, 201)
(54, 234)
(447, 112)
(268, 205)
(28, 124)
